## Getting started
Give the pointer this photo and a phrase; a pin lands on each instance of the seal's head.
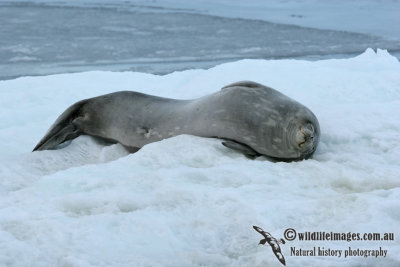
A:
(307, 139)
(303, 137)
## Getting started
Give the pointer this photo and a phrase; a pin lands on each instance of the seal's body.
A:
(252, 118)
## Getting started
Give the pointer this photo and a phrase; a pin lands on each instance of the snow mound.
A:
(189, 201)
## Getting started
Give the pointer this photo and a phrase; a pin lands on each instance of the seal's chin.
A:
(305, 139)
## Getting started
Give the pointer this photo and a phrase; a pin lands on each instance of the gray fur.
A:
(259, 119)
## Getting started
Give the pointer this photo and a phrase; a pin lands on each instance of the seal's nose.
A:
(304, 135)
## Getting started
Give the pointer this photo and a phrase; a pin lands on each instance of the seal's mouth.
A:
(305, 136)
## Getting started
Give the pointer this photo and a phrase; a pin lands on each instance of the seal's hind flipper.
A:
(246, 150)
(248, 84)
(64, 128)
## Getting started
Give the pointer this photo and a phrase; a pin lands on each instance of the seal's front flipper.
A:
(65, 128)
(246, 150)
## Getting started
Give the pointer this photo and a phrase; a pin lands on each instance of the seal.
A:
(251, 118)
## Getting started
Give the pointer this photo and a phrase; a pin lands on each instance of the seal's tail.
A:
(64, 128)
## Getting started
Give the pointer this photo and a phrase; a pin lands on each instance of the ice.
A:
(189, 201)
(48, 37)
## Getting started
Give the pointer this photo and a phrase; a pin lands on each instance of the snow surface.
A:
(189, 201)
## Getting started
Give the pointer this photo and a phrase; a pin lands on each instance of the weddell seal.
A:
(251, 118)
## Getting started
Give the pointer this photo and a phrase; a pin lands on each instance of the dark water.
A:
(37, 40)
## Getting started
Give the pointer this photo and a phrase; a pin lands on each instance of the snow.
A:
(189, 201)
